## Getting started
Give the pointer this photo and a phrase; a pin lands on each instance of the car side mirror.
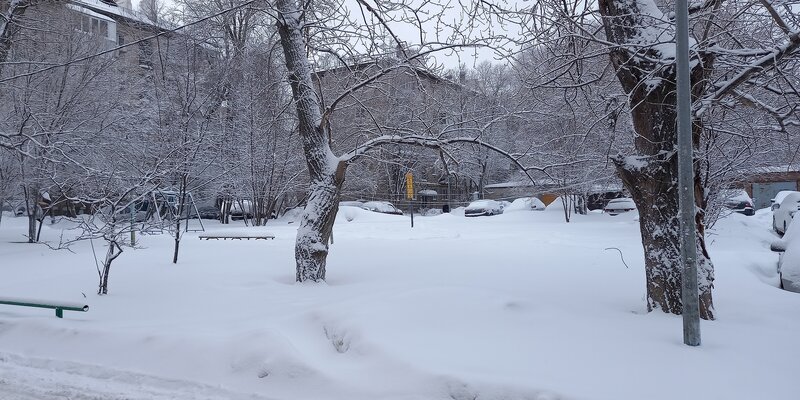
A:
(778, 246)
(775, 206)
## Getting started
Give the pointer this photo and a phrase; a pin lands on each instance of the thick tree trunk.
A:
(8, 26)
(326, 172)
(654, 189)
(316, 226)
(651, 175)
(32, 223)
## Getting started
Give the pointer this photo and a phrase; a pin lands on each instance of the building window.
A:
(145, 54)
(121, 42)
(95, 24)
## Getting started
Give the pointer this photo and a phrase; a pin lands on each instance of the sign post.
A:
(410, 194)
(133, 223)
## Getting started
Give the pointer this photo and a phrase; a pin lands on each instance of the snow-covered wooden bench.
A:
(236, 237)
(55, 305)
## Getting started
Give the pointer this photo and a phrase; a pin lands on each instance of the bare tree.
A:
(743, 54)
(9, 178)
(298, 24)
(47, 114)
(9, 26)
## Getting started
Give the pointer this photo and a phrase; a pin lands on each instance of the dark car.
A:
(737, 200)
(241, 209)
(206, 212)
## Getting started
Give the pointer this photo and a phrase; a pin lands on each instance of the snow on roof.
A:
(105, 8)
(84, 10)
(611, 187)
(776, 169)
(513, 184)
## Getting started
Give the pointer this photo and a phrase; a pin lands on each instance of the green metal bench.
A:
(58, 306)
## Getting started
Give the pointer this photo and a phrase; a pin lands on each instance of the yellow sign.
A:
(409, 185)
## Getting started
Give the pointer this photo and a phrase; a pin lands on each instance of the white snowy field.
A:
(516, 306)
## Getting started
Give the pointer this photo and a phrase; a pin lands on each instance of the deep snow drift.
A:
(515, 306)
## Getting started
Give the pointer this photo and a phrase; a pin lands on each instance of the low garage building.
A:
(762, 184)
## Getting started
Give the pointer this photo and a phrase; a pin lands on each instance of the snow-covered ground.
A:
(516, 306)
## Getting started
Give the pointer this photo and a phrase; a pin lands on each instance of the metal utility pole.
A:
(689, 291)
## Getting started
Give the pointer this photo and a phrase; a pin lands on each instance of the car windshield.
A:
(782, 195)
(380, 206)
(734, 195)
(620, 201)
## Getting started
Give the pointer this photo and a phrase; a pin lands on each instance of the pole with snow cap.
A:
(689, 290)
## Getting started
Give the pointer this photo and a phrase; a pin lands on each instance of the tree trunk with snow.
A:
(326, 172)
(8, 21)
(651, 175)
(114, 251)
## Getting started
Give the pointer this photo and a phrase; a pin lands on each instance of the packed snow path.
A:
(23, 378)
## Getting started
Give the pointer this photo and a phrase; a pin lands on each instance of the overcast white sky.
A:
(454, 16)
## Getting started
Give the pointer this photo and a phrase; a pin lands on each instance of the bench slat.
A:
(58, 306)
(236, 237)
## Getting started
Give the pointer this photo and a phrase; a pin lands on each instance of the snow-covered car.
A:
(504, 203)
(483, 207)
(619, 206)
(737, 200)
(784, 207)
(789, 258)
(536, 204)
(383, 207)
(357, 204)
(525, 203)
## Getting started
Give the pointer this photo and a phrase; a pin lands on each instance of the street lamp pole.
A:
(689, 291)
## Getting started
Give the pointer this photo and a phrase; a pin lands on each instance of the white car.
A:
(784, 207)
(383, 207)
(789, 258)
(483, 207)
(619, 206)
(357, 204)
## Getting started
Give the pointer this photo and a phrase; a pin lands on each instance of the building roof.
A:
(113, 10)
(775, 169)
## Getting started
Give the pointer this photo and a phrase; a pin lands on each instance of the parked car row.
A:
(788, 248)
(784, 206)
